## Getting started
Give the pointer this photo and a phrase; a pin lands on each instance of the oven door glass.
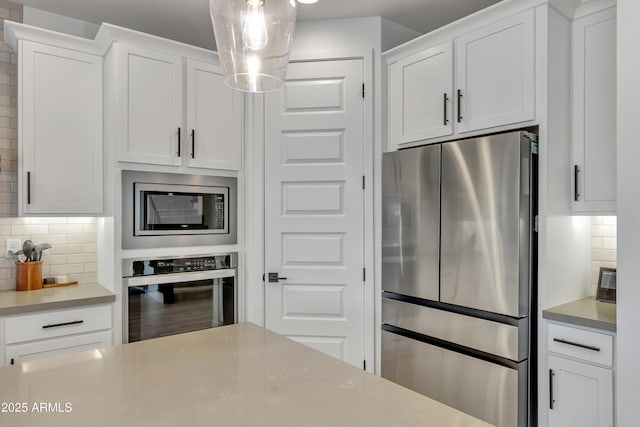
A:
(174, 308)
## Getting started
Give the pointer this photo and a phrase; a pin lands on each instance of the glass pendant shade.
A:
(253, 39)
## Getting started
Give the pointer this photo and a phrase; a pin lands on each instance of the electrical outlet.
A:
(12, 245)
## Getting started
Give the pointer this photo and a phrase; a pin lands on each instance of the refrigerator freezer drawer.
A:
(411, 222)
(508, 341)
(491, 392)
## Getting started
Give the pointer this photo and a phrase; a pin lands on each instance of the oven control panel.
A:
(151, 267)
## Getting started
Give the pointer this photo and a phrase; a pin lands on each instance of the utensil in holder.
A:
(28, 276)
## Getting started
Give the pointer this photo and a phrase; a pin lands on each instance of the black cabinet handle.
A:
(28, 188)
(576, 172)
(179, 134)
(459, 106)
(551, 401)
(193, 143)
(575, 344)
(55, 325)
(445, 98)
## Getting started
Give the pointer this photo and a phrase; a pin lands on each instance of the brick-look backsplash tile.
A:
(603, 245)
(8, 114)
(73, 252)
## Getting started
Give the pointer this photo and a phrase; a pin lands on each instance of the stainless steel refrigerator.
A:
(458, 274)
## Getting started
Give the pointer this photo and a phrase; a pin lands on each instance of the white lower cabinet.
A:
(581, 394)
(20, 353)
(54, 332)
(580, 377)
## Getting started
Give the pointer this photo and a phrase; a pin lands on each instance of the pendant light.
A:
(253, 39)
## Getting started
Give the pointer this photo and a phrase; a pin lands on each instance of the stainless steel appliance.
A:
(167, 296)
(167, 210)
(458, 274)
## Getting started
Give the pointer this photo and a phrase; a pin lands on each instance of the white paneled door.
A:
(314, 208)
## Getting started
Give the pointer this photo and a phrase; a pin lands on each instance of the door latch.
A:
(274, 278)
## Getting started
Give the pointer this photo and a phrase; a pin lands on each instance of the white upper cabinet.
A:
(495, 74)
(60, 131)
(214, 124)
(477, 78)
(594, 113)
(176, 112)
(151, 106)
(420, 95)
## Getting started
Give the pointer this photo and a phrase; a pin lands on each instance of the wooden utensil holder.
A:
(28, 276)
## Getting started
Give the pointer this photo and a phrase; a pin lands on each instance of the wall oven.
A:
(168, 210)
(167, 296)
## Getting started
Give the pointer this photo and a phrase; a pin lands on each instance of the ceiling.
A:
(188, 20)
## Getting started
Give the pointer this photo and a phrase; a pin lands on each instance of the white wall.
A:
(332, 38)
(394, 34)
(64, 24)
(628, 295)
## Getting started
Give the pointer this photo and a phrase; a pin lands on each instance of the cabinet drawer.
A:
(589, 346)
(52, 324)
(20, 353)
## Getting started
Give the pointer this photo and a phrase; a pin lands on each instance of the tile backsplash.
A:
(8, 114)
(73, 251)
(603, 245)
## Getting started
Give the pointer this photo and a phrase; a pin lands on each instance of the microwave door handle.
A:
(162, 279)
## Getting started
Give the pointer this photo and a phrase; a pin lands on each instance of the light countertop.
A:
(13, 302)
(238, 375)
(585, 312)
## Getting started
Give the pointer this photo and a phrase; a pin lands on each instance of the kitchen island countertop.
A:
(14, 302)
(238, 375)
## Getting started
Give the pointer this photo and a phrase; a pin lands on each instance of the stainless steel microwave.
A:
(168, 210)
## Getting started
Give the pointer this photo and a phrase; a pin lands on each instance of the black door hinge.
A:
(364, 274)
(263, 277)
(363, 182)
(12, 362)
(364, 365)
(363, 90)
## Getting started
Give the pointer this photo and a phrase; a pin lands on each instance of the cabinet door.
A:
(41, 349)
(594, 113)
(580, 394)
(214, 119)
(60, 106)
(420, 95)
(151, 107)
(494, 74)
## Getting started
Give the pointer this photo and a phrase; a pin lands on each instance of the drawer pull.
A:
(575, 344)
(55, 325)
